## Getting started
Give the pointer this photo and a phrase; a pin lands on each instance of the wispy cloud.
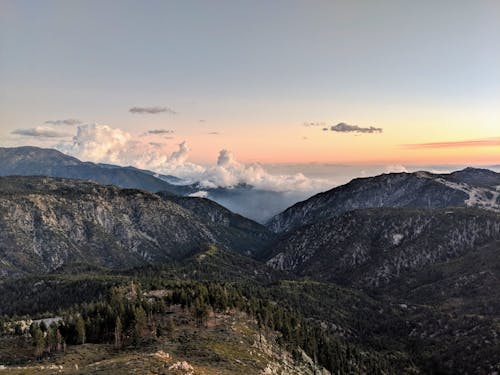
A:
(313, 124)
(152, 110)
(214, 133)
(160, 131)
(40, 131)
(342, 127)
(68, 121)
(488, 142)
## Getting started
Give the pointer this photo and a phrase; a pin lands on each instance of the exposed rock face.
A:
(46, 223)
(407, 190)
(374, 246)
(247, 233)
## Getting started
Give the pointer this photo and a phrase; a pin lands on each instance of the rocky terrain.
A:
(471, 187)
(372, 247)
(46, 223)
(387, 275)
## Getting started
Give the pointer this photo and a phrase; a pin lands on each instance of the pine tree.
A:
(118, 333)
(80, 330)
(38, 341)
(140, 323)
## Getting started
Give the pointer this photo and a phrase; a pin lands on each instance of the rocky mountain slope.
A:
(372, 247)
(471, 187)
(211, 212)
(46, 223)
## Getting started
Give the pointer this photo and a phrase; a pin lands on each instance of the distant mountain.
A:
(34, 161)
(46, 223)
(476, 177)
(372, 247)
(167, 178)
(470, 187)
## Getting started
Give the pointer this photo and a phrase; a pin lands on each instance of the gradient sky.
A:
(426, 72)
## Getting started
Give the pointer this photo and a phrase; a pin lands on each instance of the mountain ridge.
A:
(406, 190)
(47, 222)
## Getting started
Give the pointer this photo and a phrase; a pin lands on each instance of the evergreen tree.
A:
(80, 330)
(118, 333)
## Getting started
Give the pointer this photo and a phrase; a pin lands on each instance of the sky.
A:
(179, 86)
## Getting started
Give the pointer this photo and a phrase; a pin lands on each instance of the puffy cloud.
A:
(152, 110)
(342, 127)
(100, 143)
(40, 131)
(68, 121)
(104, 144)
(229, 172)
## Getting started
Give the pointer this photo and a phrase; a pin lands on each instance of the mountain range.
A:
(400, 270)
(257, 204)
(48, 222)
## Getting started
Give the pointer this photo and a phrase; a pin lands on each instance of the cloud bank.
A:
(104, 144)
(342, 127)
(152, 110)
(40, 132)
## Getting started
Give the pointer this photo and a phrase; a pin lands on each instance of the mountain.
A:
(257, 204)
(476, 177)
(211, 212)
(34, 161)
(372, 247)
(410, 190)
(46, 223)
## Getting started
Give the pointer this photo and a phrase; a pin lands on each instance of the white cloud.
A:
(396, 168)
(199, 194)
(104, 144)
(40, 131)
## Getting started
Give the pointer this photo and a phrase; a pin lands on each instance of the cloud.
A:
(160, 131)
(152, 110)
(312, 124)
(395, 168)
(230, 172)
(342, 127)
(214, 133)
(199, 194)
(69, 121)
(105, 144)
(488, 142)
(40, 131)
